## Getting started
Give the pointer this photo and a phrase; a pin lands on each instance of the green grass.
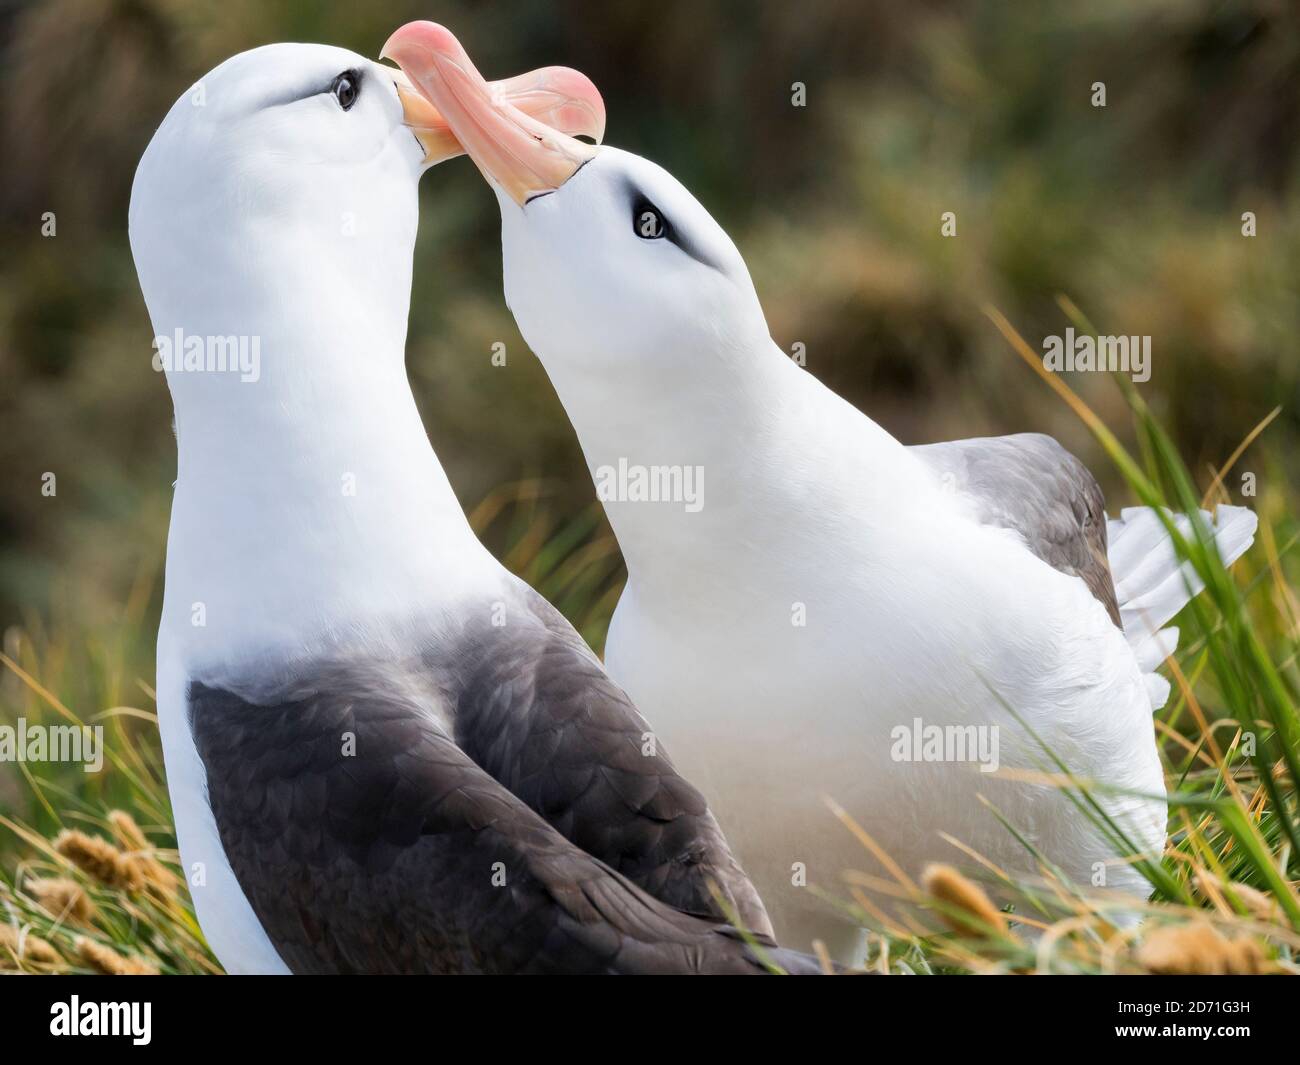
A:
(1223, 898)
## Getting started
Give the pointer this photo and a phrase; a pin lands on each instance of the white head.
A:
(613, 270)
(287, 169)
(273, 221)
(621, 271)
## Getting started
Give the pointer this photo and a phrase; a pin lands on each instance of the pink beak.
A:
(517, 132)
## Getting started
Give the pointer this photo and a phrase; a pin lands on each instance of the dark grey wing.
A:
(537, 710)
(1031, 484)
(366, 841)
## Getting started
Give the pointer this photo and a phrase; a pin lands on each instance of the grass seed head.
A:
(109, 962)
(100, 859)
(948, 886)
(1200, 949)
(131, 834)
(63, 897)
(140, 850)
(20, 950)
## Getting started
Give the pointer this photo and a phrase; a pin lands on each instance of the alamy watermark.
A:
(133, 1020)
(53, 743)
(181, 353)
(919, 742)
(631, 483)
(1080, 354)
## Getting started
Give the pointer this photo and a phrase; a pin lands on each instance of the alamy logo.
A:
(630, 483)
(134, 1019)
(53, 743)
(1086, 353)
(919, 742)
(180, 353)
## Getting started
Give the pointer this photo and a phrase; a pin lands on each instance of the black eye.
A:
(648, 222)
(346, 89)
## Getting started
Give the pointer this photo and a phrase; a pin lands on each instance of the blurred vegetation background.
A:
(984, 109)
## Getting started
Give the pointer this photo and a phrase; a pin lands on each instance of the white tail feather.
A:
(1152, 585)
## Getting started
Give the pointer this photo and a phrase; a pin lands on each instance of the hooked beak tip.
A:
(445, 102)
(519, 132)
(421, 37)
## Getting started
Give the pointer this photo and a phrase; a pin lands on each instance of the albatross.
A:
(830, 613)
(385, 753)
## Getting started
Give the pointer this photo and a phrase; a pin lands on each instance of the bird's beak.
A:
(520, 133)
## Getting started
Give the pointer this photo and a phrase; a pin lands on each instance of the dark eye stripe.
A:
(639, 205)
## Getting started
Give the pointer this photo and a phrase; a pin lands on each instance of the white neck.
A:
(309, 504)
(768, 437)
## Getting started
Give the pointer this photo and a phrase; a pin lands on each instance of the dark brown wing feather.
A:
(490, 802)
(538, 712)
(406, 856)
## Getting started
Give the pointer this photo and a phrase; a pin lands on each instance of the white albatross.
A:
(385, 753)
(832, 596)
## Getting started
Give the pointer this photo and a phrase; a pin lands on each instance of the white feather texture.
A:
(1152, 584)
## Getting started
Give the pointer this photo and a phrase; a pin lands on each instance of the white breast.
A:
(768, 718)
